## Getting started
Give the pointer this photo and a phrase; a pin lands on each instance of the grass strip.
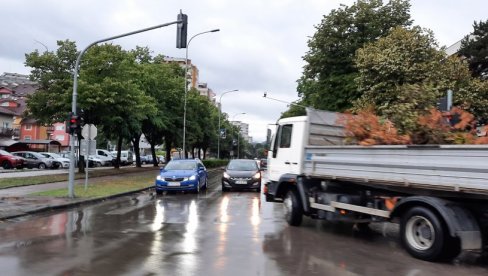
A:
(106, 187)
(42, 179)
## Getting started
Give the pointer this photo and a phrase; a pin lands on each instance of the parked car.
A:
(34, 159)
(146, 159)
(104, 160)
(10, 161)
(126, 157)
(161, 159)
(107, 154)
(95, 161)
(241, 174)
(182, 175)
(58, 160)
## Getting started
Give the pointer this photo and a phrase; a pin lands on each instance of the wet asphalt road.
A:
(213, 233)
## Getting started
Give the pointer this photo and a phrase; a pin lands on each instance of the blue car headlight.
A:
(193, 177)
(158, 177)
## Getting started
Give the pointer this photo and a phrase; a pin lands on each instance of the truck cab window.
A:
(285, 136)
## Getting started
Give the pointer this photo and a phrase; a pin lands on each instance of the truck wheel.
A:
(425, 237)
(293, 210)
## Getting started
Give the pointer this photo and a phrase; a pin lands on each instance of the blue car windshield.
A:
(242, 165)
(181, 166)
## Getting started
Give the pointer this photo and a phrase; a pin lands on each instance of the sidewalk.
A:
(16, 202)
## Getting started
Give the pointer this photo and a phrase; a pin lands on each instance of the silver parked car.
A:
(58, 160)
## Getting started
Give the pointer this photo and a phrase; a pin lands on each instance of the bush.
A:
(214, 163)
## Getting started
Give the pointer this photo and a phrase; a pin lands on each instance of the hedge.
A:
(214, 163)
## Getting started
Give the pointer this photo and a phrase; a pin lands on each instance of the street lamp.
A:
(220, 112)
(186, 86)
(238, 132)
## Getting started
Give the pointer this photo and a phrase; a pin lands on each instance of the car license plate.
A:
(241, 182)
(173, 184)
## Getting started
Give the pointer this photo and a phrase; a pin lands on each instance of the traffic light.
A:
(73, 124)
(181, 31)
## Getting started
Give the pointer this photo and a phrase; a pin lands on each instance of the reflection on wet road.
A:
(213, 233)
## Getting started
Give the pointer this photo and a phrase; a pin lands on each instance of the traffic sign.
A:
(89, 131)
(84, 145)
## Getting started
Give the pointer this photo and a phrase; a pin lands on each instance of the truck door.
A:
(282, 153)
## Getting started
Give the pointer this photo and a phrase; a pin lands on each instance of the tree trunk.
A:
(204, 153)
(119, 148)
(168, 151)
(135, 143)
(153, 153)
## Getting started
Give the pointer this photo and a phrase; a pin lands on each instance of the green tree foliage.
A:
(395, 73)
(403, 75)
(295, 109)
(125, 93)
(53, 72)
(162, 82)
(475, 48)
(328, 77)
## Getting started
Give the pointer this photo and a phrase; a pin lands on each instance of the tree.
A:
(475, 48)
(394, 75)
(162, 82)
(111, 95)
(328, 77)
(53, 72)
(404, 74)
(295, 109)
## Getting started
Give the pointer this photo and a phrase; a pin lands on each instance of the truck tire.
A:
(425, 236)
(293, 209)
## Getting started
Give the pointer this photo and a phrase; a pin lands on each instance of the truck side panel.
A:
(462, 169)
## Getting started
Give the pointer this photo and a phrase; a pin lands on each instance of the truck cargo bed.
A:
(454, 168)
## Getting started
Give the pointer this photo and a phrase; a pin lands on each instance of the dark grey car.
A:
(241, 174)
(34, 159)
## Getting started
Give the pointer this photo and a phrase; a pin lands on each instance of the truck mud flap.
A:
(303, 192)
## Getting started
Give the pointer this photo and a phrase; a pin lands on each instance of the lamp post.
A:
(220, 112)
(238, 132)
(186, 86)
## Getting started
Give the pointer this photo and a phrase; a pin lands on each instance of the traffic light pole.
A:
(71, 178)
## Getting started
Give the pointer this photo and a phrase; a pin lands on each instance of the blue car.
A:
(182, 175)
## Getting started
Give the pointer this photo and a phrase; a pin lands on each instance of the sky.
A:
(258, 49)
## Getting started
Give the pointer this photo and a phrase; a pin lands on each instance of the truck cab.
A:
(291, 136)
(285, 155)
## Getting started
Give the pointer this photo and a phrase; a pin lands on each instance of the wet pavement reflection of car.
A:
(241, 174)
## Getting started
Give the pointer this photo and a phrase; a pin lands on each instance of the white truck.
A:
(437, 193)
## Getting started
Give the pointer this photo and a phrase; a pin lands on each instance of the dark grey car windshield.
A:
(242, 165)
(181, 166)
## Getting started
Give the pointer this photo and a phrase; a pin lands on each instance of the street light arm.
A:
(220, 99)
(220, 113)
(211, 31)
